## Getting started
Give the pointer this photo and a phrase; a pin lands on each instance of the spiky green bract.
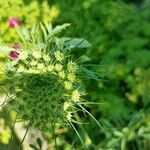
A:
(44, 86)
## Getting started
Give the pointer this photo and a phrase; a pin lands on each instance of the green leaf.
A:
(89, 74)
(34, 147)
(135, 119)
(84, 58)
(58, 29)
(146, 136)
(23, 33)
(48, 27)
(44, 31)
(123, 144)
(78, 43)
(113, 142)
(39, 141)
(118, 133)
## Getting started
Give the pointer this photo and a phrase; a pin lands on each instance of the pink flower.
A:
(14, 55)
(13, 22)
(16, 46)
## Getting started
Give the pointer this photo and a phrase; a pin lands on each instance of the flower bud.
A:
(75, 96)
(67, 85)
(72, 67)
(71, 77)
(58, 67)
(13, 22)
(59, 56)
(46, 58)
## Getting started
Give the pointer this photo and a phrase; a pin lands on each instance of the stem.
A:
(12, 131)
(94, 119)
(5, 100)
(81, 126)
(23, 138)
(78, 136)
(53, 132)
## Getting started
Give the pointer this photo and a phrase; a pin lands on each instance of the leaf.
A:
(146, 136)
(48, 27)
(118, 133)
(78, 43)
(39, 141)
(135, 119)
(113, 142)
(23, 33)
(90, 74)
(84, 58)
(44, 31)
(60, 42)
(58, 29)
(34, 147)
(123, 144)
(83, 143)
(34, 31)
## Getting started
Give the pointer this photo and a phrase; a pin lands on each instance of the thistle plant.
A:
(45, 88)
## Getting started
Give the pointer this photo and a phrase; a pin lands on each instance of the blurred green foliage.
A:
(120, 35)
(28, 12)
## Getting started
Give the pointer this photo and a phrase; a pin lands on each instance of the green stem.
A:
(23, 138)
(54, 135)
(12, 131)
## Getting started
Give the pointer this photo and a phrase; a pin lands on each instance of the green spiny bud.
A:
(61, 74)
(71, 77)
(66, 105)
(72, 67)
(59, 56)
(36, 54)
(33, 63)
(23, 55)
(58, 67)
(69, 116)
(50, 68)
(40, 66)
(75, 96)
(46, 58)
(67, 85)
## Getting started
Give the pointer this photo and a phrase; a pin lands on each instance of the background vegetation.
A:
(119, 31)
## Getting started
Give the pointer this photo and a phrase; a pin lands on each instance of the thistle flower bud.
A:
(45, 87)
(36, 54)
(50, 68)
(72, 67)
(21, 68)
(59, 56)
(31, 71)
(33, 63)
(66, 105)
(71, 77)
(67, 85)
(69, 116)
(40, 67)
(62, 74)
(58, 67)
(75, 96)
(23, 55)
(46, 58)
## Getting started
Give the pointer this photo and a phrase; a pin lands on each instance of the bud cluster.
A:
(45, 89)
